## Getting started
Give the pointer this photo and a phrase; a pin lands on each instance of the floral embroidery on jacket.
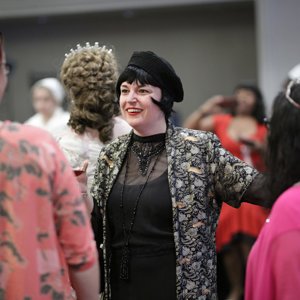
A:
(200, 173)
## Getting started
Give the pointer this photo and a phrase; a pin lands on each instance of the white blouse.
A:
(55, 125)
(81, 147)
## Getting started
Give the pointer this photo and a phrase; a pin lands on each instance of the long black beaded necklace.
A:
(124, 268)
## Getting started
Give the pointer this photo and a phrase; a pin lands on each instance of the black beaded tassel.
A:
(124, 269)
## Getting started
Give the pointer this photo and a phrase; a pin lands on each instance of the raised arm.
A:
(201, 119)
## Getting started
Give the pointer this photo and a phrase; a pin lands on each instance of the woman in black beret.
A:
(158, 193)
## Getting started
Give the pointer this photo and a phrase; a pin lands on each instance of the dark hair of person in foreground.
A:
(283, 152)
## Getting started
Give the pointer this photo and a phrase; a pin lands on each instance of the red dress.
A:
(246, 221)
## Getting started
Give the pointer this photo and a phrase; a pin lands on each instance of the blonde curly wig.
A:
(89, 77)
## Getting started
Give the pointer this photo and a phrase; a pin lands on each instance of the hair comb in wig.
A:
(87, 46)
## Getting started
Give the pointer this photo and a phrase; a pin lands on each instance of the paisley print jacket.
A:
(200, 173)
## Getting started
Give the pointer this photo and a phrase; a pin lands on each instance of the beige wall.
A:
(212, 47)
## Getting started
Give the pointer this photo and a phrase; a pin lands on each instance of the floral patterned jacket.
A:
(200, 174)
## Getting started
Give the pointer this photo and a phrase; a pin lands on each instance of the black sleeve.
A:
(258, 193)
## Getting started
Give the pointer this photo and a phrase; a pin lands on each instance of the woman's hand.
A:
(253, 144)
(211, 106)
(82, 181)
(201, 119)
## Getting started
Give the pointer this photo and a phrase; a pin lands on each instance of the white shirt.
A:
(80, 147)
(55, 125)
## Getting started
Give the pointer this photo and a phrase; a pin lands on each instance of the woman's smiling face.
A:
(138, 109)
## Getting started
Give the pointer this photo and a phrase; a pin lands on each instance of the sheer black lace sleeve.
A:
(258, 193)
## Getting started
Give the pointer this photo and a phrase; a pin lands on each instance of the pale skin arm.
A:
(74, 232)
(82, 180)
(201, 119)
(85, 283)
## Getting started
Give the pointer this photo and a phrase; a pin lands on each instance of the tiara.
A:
(87, 46)
(288, 92)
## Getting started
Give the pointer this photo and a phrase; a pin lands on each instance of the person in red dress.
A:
(238, 121)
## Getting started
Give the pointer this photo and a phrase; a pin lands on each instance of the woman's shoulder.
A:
(196, 137)
(286, 210)
(71, 142)
(193, 134)
(36, 119)
(289, 198)
(25, 130)
(117, 145)
(27, 138)
(68, 134)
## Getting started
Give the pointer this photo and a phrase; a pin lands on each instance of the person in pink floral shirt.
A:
(47, 250)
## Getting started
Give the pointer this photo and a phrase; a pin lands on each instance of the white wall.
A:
(278, 25)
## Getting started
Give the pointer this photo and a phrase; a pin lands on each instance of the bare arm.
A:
(85, 283)
(201, 119)
(74, 231)
(81, 177)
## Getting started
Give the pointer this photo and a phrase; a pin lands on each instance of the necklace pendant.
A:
(124, 268)
(143, 166)
(145, 152)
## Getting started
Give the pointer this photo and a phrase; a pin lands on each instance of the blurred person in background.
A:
(238, 121)
(47, 99)
(46, 240)
(273, 269)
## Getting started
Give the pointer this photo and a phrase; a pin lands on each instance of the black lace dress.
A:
(140, 214)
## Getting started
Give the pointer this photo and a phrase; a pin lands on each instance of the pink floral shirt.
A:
(44, 227)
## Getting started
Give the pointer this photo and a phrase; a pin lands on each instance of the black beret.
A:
(160, 70)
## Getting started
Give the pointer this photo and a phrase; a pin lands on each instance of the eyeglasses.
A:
(7, 67)
(288, 92)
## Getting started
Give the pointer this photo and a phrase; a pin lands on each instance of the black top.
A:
(153, 221)
(152, 259)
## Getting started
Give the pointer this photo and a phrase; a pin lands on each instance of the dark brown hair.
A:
(258, 112)
(284, 143)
